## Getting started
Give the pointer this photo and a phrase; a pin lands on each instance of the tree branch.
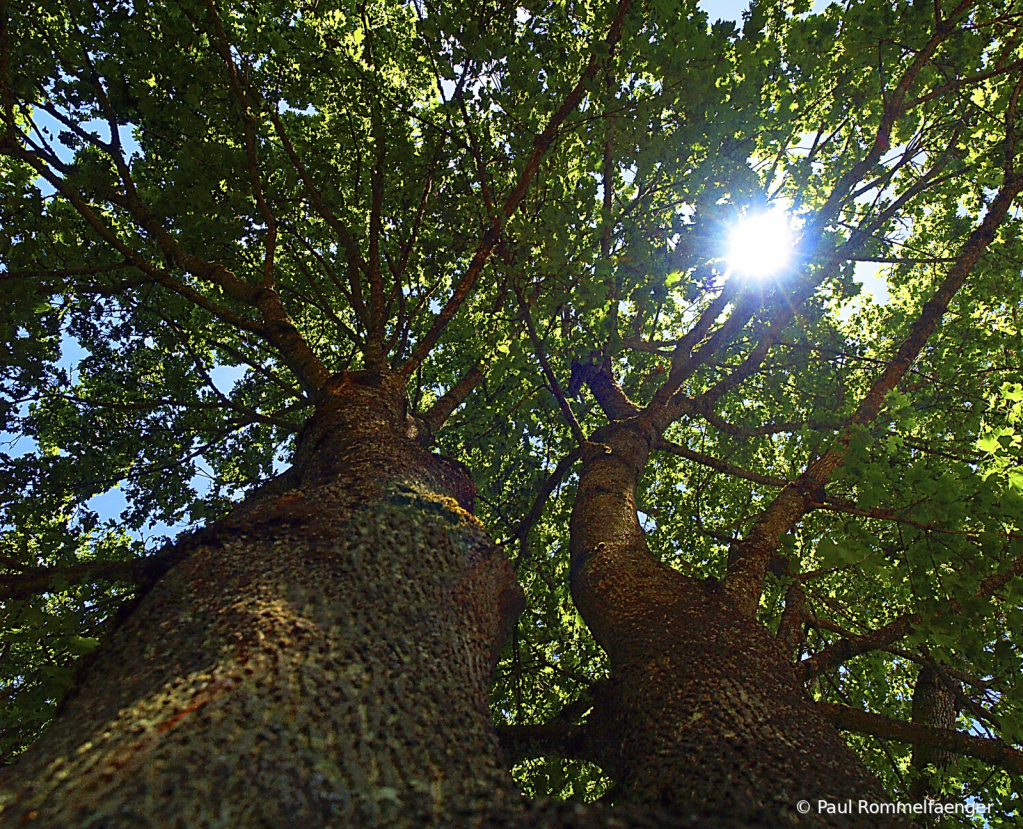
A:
(541, 355)
(717, 464)
(560, 739)
(596, 373)
(523, 528)
(995, 752)
(847, 647)
(145, 570)
(434, 419)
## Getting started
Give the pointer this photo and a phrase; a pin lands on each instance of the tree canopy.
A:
(524, 212)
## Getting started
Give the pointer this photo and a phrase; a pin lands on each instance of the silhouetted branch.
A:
(995, 752)
(140, 571)
(849, 646)
(541, 355)
(718, 464)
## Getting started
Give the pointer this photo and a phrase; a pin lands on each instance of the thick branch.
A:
(142, 571)
(375, 334)
(559, 736)
(438, 414)
(990, 751)
(792, 627)
(560, 739)
(848, 647)
(749, 559)
(596, 373)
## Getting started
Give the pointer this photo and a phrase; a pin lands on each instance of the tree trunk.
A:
(704, 711)
(935, 705)
(322, 659)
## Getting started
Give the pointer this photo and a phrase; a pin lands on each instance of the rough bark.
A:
(933, 705)
(325, 661)
(704, 711)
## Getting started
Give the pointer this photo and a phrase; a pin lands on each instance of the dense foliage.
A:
(499, 195)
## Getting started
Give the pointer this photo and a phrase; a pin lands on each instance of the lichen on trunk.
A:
(322, 659)
(703, 712)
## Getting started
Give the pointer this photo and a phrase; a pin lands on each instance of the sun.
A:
(760, 244)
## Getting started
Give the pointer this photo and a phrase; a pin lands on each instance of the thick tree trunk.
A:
(704, 711)
(323, 659)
